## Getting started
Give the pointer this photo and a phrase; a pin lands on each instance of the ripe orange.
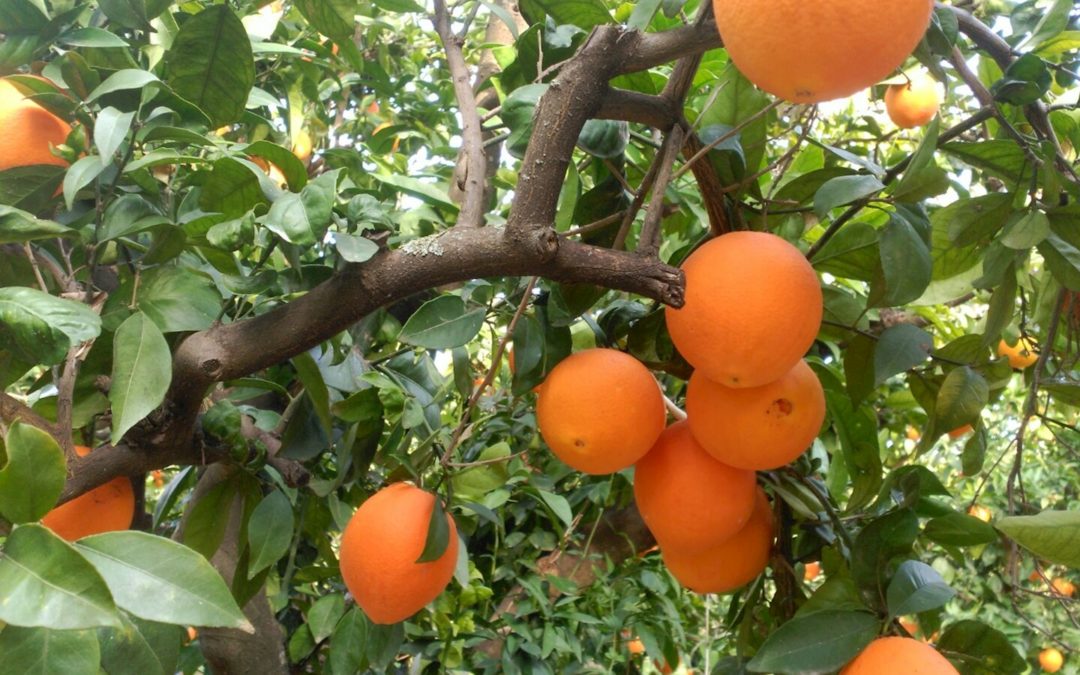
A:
(730, 564)
(1021, 355)
(106, 508)
(635, 646)
(912, 104)
(688, 499)
(759, 427)
(29, 129)
(1063, 587)
(753, 307)
(811, 571)
(899, 656)
(981, 512)
(1051, 660)
(379, 549)
(961, 431)
(808, 52)
(600, 410)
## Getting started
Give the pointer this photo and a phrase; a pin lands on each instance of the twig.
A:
(676, 412)
(649, 243)
(472, 140)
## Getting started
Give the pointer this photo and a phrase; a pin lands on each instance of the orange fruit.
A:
(379, 551)
(1021, 355)
(811, 571)
(29, 130)
(730, 564)
(912, 104)
(806, 52)
(635, 646)
(302, 147)
(689, 500)
(981, 512)
(1051, 660)
(758, 427)
(912, 433)
(1063, 587)
(600, 410)
(961, 431)
(753, 307)
(106, 508)
(899, 656)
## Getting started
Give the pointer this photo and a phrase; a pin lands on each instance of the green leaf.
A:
(922, 159)
(442, 323)
(604, 138)
(1026, 80)
(126, 651)
(23, 16)
(92, 37)
(303, 218)
(581, 13)
(324, 615)
(959, 529)
(19, 226)
(1002, 158)
(141, 373)
(41, 651)
(269, 531)
(820, 642)
(899, 349)
(1051, 535)
(974, 453)
(963, 394)
(354, 248)
(205, 527)
(859, 367)
(289, 164)
(878, 544)
(477, 481)
(1028, 230)
(852, 253)
(1063, 259)
(232, 188)
(559, 505)
(211, 65)
(34, 476)
(315, 387)
(856, 427)
(157, 579)
(844, 190)
(131, 78)
(30, 188)
(438, 534)
(436, 195)
(978, 649)
(348, 644)
(82, 173)
(736, 103)
(110, 129)
(41, 328)
(333, 18)
(973, 221)
(917, 587)
(905, 263)
(178, 299)
(45, 582)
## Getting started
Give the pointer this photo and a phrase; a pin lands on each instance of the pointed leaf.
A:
(978, 649)
(157, 579)
(34, 476)
(111, 128)
(819, 642)
(442, 323)
(142, 371)
(45, 582)
(844, 190)
(961, 398)
(17, 226)
(41, 651)
(900, 348)
(438, 534)
(1052, 535)
(42, 327)
(917, 587)
(269, 532)
(211, 65)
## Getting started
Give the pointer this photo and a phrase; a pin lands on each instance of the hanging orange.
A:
(807, 52)
(899, 656)
(29, 129)
(912, 104)
(379, 550)
(600, 410)
(759, 427)
(753, 307)
(688, 499)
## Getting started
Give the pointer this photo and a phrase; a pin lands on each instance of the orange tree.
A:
(292, 253)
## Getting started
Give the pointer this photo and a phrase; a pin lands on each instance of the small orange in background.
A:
(912, 104)
(1021, 355)
(899, 656)
(912, 433)
(757, 428)
(961, 431)
(981, 512)
(29, 130)
(379, 552)
(731, 564)
(753, 307)
(811, 571)
(158, 477)
(1063, 587)
(302, 146)
(1051, 660)
(600, 410)
(635, 646)
(106, 508)
(689, 500)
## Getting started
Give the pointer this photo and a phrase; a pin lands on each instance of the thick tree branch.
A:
(13, 410)
(472, 142)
